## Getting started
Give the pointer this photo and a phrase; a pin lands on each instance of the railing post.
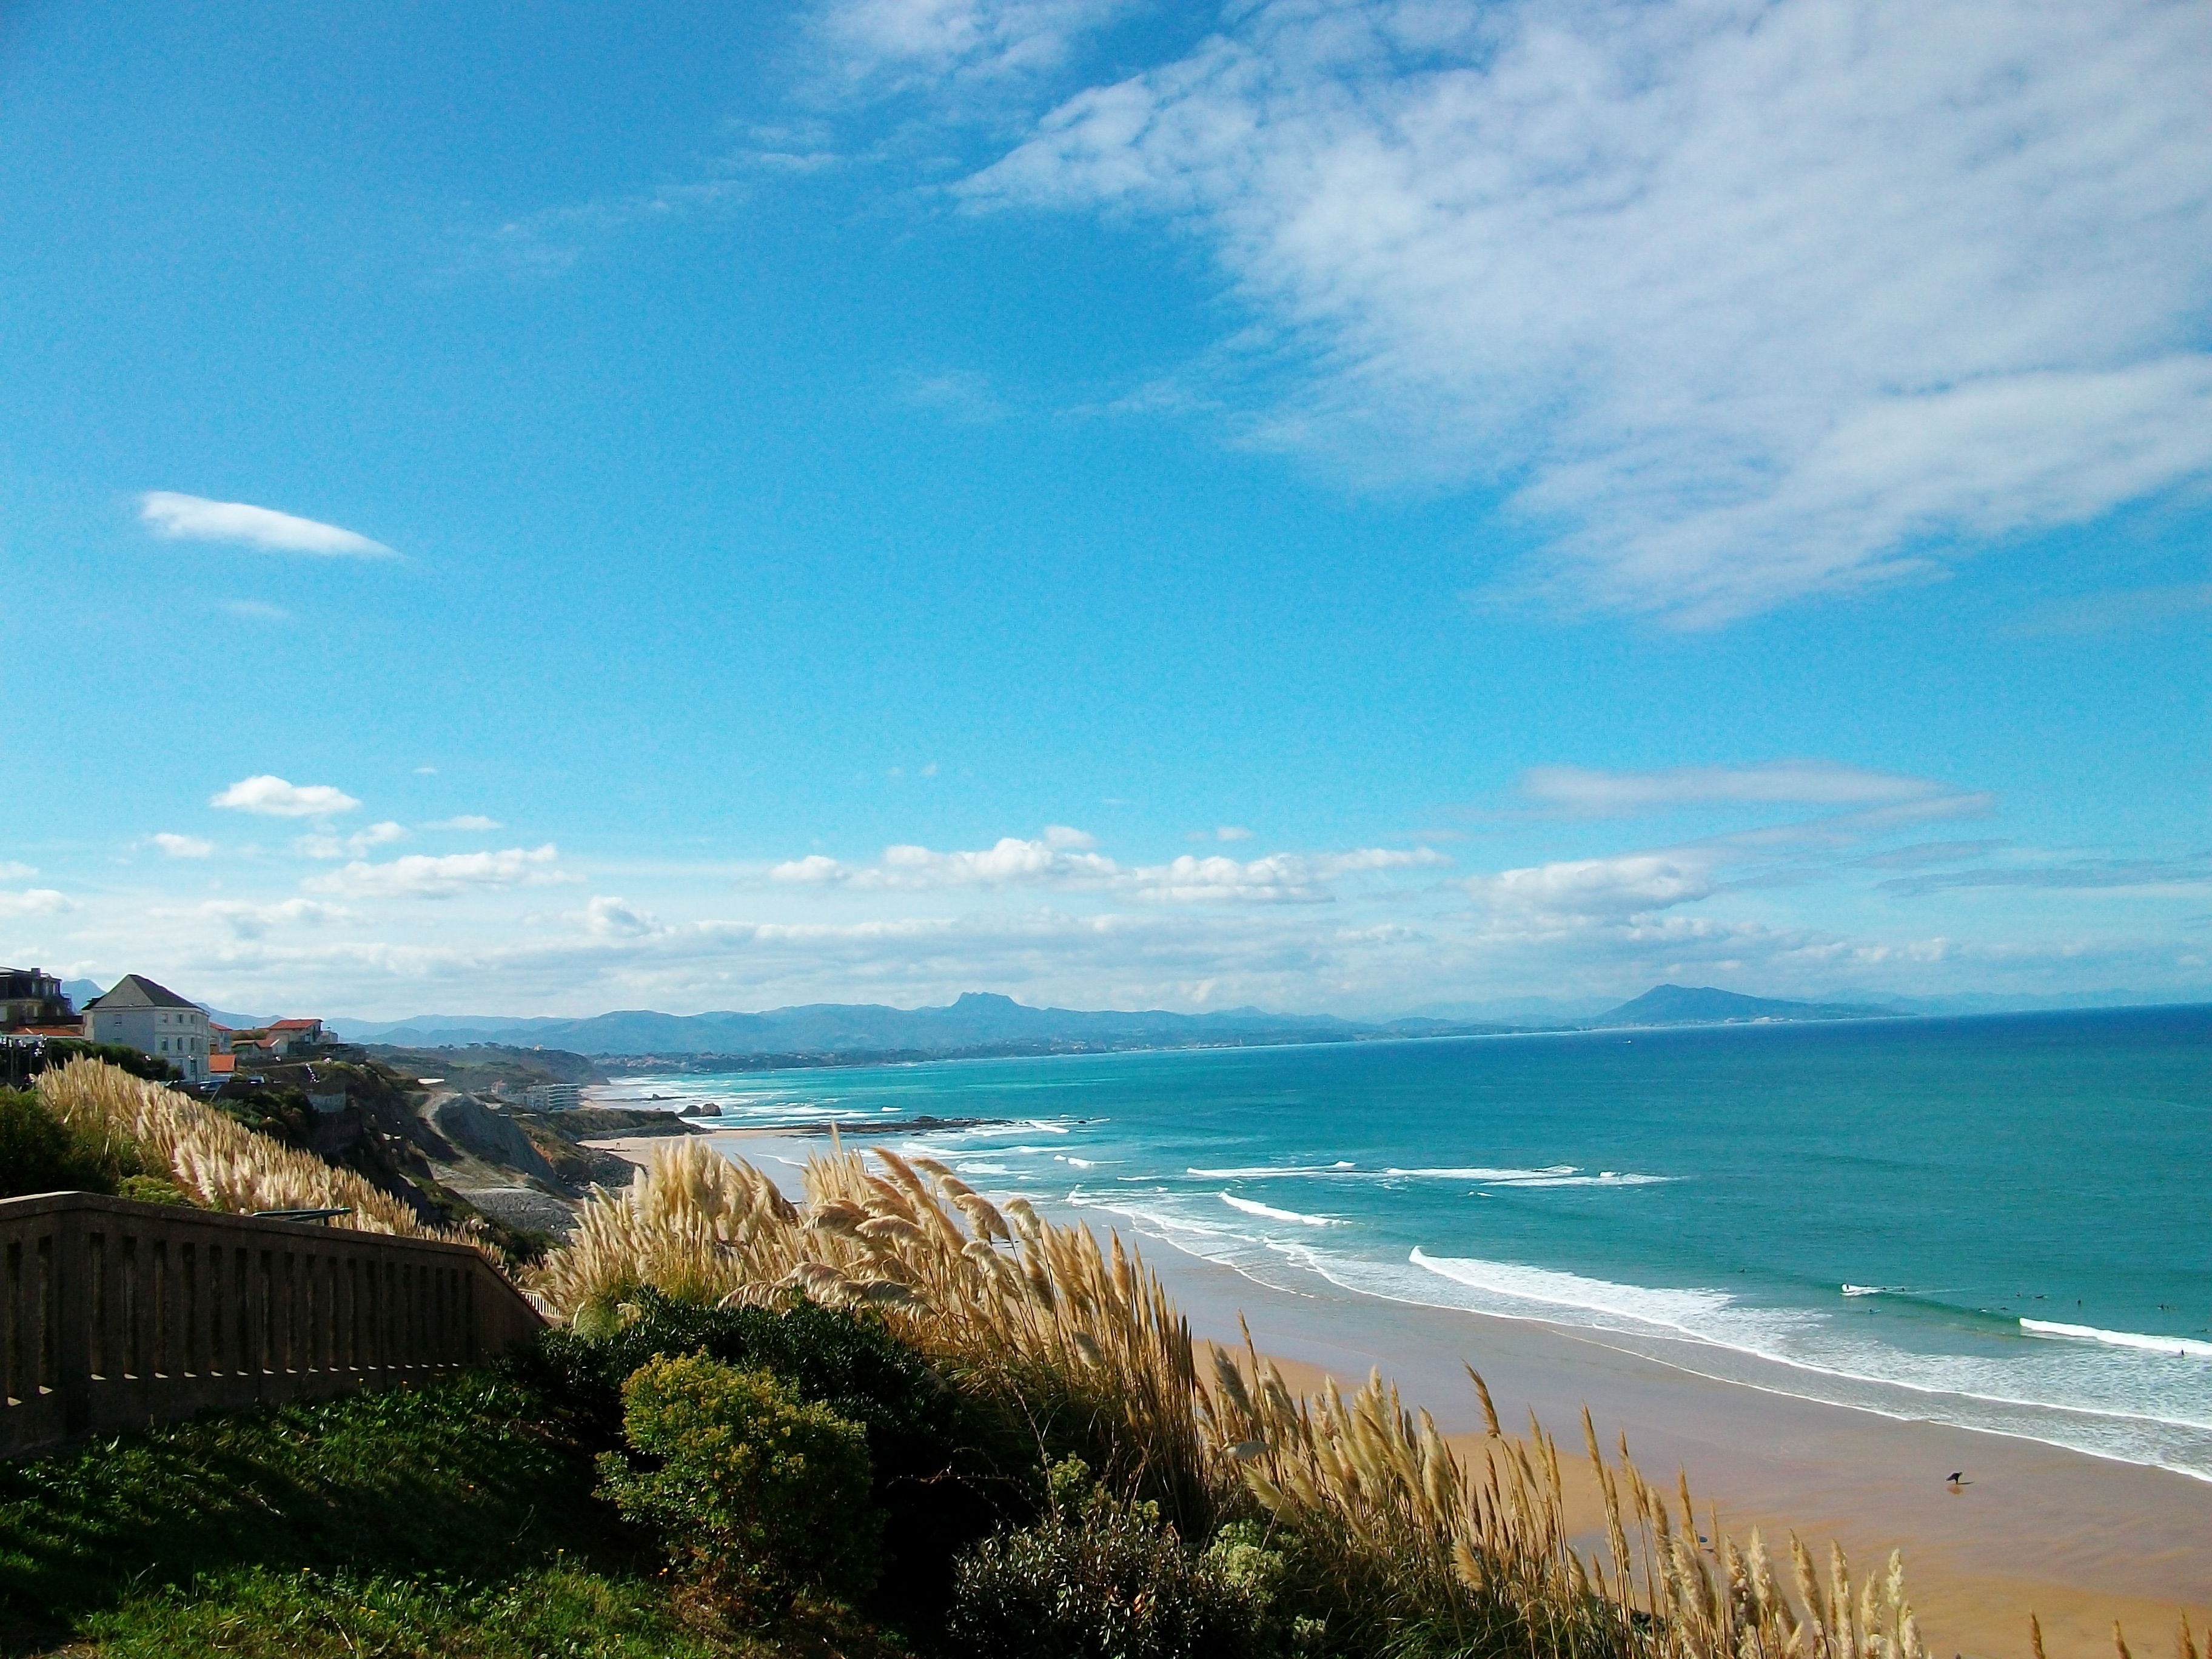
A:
(69, 1285)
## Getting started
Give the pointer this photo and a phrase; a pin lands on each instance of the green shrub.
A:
(934, 1451)
(1103, 1579)
(764, 1491)
(40, 1153)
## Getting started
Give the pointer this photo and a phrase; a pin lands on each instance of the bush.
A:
(766, 1492)
(1102, 1579)
(40, 1153)
(933, 1451)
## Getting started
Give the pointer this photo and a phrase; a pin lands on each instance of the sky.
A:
(1360, 506)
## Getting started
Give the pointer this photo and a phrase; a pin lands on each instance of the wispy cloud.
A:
(1737, 303)
(961, 395)
(272, 797)
(1582, 792)
(421, 876)
(2117, 611)
(323, 846)
(247, 921)
(10, 871)
(195, 519)
(2156, 875)
(899, 44)
(466, 821)
(258, 611)
(182, 847)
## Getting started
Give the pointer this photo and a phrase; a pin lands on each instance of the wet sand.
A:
(2078, 1540)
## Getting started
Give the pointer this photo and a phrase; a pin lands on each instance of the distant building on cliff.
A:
(551, 1097)
(154, 1020)
(31, 997)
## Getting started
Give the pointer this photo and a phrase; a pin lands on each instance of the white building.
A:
(551, 1097)
(154, 1020)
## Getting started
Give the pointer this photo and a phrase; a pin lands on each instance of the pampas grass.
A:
(215, 1159)
(1435, 1555)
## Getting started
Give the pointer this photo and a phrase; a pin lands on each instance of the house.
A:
(31, 996)
(551, 1097)
(288, 1036)
(154, 1020)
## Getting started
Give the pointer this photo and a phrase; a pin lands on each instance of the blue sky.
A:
(1338, 506)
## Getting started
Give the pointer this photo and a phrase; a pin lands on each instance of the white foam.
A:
(1868, 1289)
(1559, 1175)
(2179, 1346)
(1251, 1207)
(1260, 1173)
(1689, 1313)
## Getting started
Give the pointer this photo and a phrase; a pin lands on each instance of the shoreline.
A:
(2079, 1541)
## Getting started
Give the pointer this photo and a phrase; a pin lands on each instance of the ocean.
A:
(2001, 1223)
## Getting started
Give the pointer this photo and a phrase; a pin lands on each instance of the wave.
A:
(1687, 1313)
(1258, 1173)
(1870, 1290)
(2179, 1347)
(1252, 1207)
(1559, 1175)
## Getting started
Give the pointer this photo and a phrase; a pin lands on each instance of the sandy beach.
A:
(2079, 1542)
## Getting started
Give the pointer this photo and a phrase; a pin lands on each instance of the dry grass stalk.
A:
(215, 1159)
(1456, 1559)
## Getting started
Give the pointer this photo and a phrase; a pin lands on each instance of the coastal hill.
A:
(1701, 1005)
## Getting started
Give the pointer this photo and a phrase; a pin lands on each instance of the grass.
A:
(458, 1487)
(213, 1158)
(555, 1612)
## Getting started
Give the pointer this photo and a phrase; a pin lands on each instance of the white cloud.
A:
(9, 871)
(35, 901)
(272, 797)
(352, 846)
(614, 918)
(420, 876)
(248, 920)
(194, 518)
(919, 42)
(1584, 792)
(1738, 302)
(466, 821)
(182, 846)
(816, 869)
(1232, 832)
(1281, 878)
(1058, 857)
(1597, 889)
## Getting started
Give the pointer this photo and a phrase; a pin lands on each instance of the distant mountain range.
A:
(1701, 1005)
(979, 1022)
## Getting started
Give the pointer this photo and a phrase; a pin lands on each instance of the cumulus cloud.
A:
(35, 901)
(195, 519)
(421, 876)
(1066, 858)
(272, 797)
(1582, 791)
(1737, 301)
(352, 846)
(1608, 888)
(614, 918)
(182, 846)
(1059, 856)
(1281, 878)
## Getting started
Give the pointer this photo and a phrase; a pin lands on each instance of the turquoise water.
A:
(2001, 1222)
